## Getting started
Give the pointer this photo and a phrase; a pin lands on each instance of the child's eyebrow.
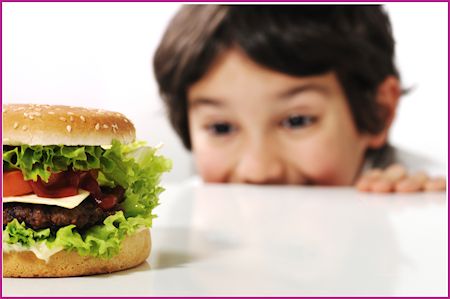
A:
(197, 102)
(293, 91)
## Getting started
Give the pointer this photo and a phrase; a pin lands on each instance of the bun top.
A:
(33, 124)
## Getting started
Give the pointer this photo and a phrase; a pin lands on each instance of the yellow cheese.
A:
(65, 202)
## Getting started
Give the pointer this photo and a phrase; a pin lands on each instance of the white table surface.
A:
(247, 240)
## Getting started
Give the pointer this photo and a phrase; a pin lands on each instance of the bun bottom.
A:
(134, 250)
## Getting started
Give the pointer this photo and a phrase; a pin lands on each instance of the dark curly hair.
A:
(354, 41)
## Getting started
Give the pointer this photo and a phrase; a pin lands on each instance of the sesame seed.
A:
(69, 113)
(37, 114)
(37, 109)
(71, 118)
(82, 118)
(97, 126)
(125, 120)
(115, 127)
(69, 129)
(24, 128)
(16, 124)
(105, 126)
(31, 117)
(51, 112)
(62, 118)
(25, 114)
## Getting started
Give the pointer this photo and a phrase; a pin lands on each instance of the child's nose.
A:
(259, 165)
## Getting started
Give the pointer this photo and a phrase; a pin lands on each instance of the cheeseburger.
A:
(78, 191)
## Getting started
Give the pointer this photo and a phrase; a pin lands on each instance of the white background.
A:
(100, 55)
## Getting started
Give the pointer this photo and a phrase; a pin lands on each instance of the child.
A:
(287, 95)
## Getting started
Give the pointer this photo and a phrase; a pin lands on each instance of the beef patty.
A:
(38, 216)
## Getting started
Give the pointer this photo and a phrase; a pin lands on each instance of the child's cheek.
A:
(212, 166)
(319, 165)
(324, 172)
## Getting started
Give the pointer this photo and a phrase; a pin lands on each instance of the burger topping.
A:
(62, 185)
(69, 202)
(14, 184)
(40, 249)
(37, 216)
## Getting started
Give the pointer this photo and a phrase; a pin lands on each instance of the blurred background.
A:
(100, 55)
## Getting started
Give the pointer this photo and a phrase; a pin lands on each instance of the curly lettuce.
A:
(40, 161)
(137, 168)
(134, 166)
(101, 241)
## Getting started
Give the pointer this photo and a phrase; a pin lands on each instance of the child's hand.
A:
(395, 178)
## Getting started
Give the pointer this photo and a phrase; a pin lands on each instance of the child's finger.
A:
(386, 181)
(365, 181)
(413, 183)
(373, 173)
(436, 184)
(394, 173)
(421, 177)
(408, 184)
(363, 184)
(382, 185)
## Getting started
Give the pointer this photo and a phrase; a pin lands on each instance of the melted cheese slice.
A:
(69, 202)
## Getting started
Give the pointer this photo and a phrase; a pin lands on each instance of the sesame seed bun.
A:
(134, 250)
(63, 125)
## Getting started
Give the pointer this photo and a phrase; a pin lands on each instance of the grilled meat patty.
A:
(38, 216)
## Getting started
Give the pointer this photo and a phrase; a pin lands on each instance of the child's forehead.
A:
(233, 70)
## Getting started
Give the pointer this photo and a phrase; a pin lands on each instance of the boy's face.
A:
(249, 124)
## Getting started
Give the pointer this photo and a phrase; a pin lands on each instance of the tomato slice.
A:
(41, 190)
(62, 184)
(14, 184)
(56, 179)
(107, 202)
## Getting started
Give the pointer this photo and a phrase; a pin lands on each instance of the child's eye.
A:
(221, 129)
(297, 121)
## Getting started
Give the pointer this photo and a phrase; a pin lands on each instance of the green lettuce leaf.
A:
(101, 241)
(137, 168)
(134, 166)
(41, 161)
